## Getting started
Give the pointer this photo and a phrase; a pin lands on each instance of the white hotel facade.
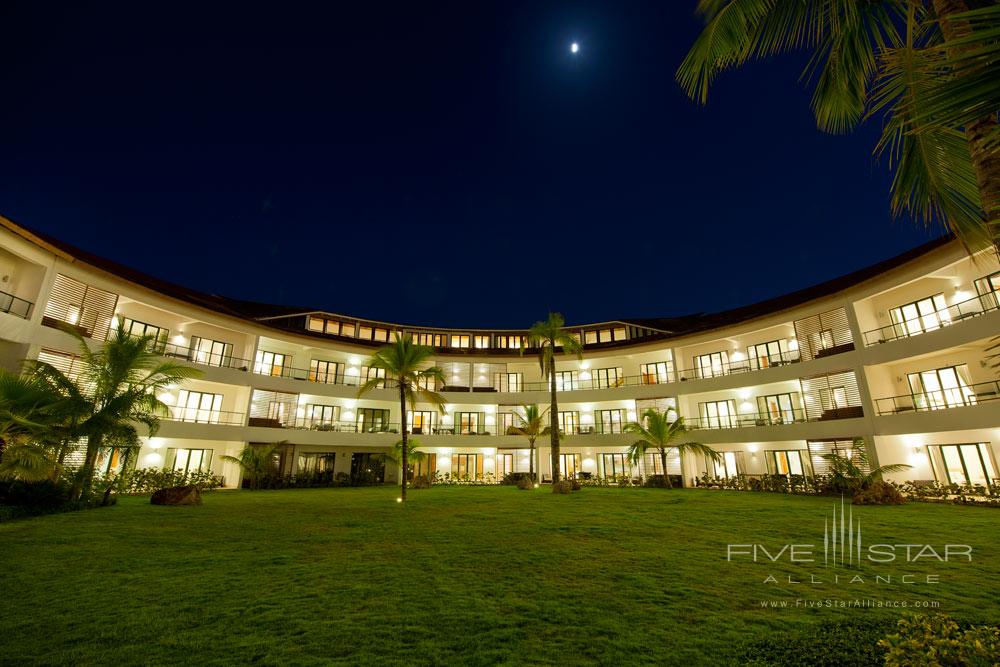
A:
(895, 354)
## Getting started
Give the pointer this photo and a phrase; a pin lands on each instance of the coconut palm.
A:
(256, 462)
(657, 431)
(932, 68)
(531, 425)
(413, 455)
(119, 384)
(848, 472)
(407, 364)
(545, 337)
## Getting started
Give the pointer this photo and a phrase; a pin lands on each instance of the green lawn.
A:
(458, 575)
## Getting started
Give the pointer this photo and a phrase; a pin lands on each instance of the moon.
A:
(574, 47)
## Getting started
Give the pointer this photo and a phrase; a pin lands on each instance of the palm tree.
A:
(848, 472)
(530, 425)
(255, 462)
(413, 455)
(930, 66)
(658, 432)
(407, 364)
(30, 416)
(546, 337)
(119, 383)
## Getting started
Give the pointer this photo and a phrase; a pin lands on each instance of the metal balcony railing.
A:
(15, 305)
(927, 401)
(749, 420)
(744, 366)
(198, 416)
(933, 321)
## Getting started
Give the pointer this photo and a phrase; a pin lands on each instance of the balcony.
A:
(958, 397)
(15, 305)
(738, 367)
(199, 416)
(762, 419)
(934, 320)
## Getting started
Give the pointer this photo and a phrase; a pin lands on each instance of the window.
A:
(656, 373)
(988, 288)
(269, 363)
(569, 465)
(429, 339)
(316, 463)
(370, 373)
(69, 364)
(505, 465)
(777, 409)
(589, 337)
(718, 414)
(567, 380)
(196, 406)
(466, 466)
(506, 422)
(137, 328)
(920, 316)
(569, 422)
(481, 342)
(607, 378)
(726, 466)
(347, 329)
(604, 335)
(507, 381)
(833, 398)
(510, 342)
(372, 420)
(823, 339)
(618, 333)
(608, 421)
(189, 460)
(322, 417)
(317, 324)
(381, 335)
(615, 465)
(325, 372)
(333, 328)
(771, 353)
(210, 352)
(787, 462)
(711, 365)
(470, 423)
(963, 464)
(941, 388)
(460, 340)
(421, 421)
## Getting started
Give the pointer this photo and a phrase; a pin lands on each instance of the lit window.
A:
(317, 324)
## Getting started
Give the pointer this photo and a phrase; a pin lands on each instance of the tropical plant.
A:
(116, 388)
(931, 68)
(657, 431)
(546, 337)
(531, 425)
(407, 364)
(852, 473)
(256, 462)
(30, 417)
(413, 455)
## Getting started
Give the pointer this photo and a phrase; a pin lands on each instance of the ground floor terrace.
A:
(461, 575)
(959, 457)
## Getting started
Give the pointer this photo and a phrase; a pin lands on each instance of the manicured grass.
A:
(458, 575)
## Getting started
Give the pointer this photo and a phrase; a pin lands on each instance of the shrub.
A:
(525, 484)
(513, 478)
(938, 641)
(145, 481)
(563, 486)
(879, 493)
(420, 482)
(575, 485)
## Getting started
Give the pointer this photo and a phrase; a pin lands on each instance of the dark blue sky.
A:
(438, 163)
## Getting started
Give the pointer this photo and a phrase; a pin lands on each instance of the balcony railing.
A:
(200, 357)
(784, 418)
(744, 366)
(933, 321)
(197, 416)
(15, 305)
(927, 401)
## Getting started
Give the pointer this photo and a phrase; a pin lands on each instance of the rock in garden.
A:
(177, 495)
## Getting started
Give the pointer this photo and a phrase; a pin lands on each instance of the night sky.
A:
(436, 163)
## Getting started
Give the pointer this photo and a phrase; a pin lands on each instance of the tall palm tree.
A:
(930, 66)
(546, 337)
(407, 364)
(658, 432)
(255, 461)
(531, 425)
(119, 382)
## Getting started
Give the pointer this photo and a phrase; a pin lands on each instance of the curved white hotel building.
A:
(894, 353)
